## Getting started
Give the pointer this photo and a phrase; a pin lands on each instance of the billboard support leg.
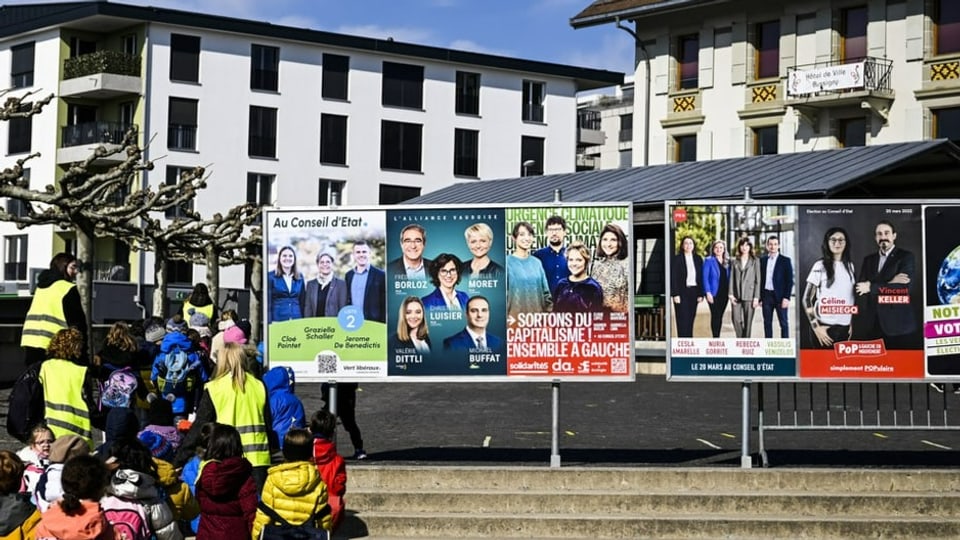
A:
(555, 428)
(746, 461)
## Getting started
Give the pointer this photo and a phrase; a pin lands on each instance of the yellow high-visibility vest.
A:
(64, 407)
(45, 317)
(206, 310)
(244, 411)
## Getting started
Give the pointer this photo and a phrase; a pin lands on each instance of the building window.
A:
(767, 50)
(20, 132)
(80, 46)
(947, 27)
(765, 140)
(15, 267)
(533, 97)
(397, 194)
(333, 139)
(400, 145)
(261, 189)
(466, 150)
(852, 132)
(182, 127)
(330, 192)
(21, 69)
(626, 127)
(946, 124)
(688, 61)
(468, 93)
(129, 45)
(402, 85)
(685, 148)
(18, 207)
(179, 272)
(184, 58)
(185, 209)
(263, 132)
(531, 156)
(336, 69)
(854, 33)
(264, 67)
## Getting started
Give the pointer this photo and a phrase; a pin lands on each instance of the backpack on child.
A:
(118, 389)
(281, 529)
(26, 399)
(128, 524)
(175, 378)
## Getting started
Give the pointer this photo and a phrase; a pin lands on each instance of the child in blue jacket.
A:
(285, 407)
(178, 381)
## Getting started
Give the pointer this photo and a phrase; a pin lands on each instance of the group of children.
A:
(151, 379)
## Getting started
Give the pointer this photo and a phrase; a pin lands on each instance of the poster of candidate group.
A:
(450, 293)
(821, 290)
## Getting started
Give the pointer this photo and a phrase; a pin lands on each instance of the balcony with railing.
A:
(101, 75)
(588, 128)
(78, 141)
(860, 82)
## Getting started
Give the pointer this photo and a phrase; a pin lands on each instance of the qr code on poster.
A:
(326, 363)
(618, 365)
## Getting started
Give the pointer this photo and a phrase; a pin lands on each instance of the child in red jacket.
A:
(329, 462)
(225, 489)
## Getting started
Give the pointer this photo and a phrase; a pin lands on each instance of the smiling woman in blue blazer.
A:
(716, 284)
(286, 286)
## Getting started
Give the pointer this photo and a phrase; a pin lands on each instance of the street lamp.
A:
(526, 166)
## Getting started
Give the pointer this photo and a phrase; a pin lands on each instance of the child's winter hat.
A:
(176, 324)
(200, 322)
(234, 335)
(160, 412)
(158, 446)
(68, 446)
(154, 333)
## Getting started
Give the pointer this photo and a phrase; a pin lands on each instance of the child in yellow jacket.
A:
(294, 492)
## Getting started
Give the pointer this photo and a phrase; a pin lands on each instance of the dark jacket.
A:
(374, 296)
(15, 509)
(228, 499)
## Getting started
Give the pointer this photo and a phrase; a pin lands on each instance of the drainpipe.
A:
(646, 94)
(144, 183)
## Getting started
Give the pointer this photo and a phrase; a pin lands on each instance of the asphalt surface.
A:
(650, 422)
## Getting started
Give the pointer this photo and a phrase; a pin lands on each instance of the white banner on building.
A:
(842, 77)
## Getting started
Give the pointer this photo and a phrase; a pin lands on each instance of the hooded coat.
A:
(285, 407)
(333, 471)
(88, 523)
(296, 492)
(183, 504)
(18, 516)
(139, 488)
(182, 404)
(228, 499)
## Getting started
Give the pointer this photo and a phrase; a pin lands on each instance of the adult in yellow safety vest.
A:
(235, 397)
(66, 382)
(200, 302)
(55, 306)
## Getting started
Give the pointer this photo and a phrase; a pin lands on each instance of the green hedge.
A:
(114, 62)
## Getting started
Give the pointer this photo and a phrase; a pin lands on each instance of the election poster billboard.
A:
(450, 293)
(816, 290)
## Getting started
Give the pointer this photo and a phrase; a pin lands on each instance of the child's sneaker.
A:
(360, 454)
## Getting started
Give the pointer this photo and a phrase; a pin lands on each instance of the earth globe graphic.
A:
(948, 279)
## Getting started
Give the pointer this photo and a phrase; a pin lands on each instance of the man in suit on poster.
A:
(475, 335)
(776, 276)
(883, 293)
(366, 284)
(412, 264)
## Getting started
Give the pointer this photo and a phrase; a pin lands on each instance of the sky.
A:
(526, 29)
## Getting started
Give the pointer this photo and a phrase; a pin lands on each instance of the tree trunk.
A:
(85, 281)
(213, 274)
(256, 297)
(160, 283)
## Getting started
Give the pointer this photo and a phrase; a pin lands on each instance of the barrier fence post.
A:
(746, 461)
(555, 429)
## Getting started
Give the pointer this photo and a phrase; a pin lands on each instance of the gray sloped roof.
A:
(814, 174)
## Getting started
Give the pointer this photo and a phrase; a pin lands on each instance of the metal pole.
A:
(555, 426)
(746, 462)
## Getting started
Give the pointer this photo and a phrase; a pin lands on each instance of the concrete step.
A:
(450, 525)
(645, 480)
(618, 503)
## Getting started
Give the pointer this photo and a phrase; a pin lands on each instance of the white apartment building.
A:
(735, 78)
(280, 115)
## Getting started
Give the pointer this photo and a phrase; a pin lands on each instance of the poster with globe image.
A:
(941, 328)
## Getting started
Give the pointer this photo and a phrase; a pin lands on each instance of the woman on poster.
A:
(412, 333)
(828, 299)
(578, 293)
(610, 268)
(686, 285)
(716, 284)
(479, 237)
(286, 286)
(445, 275)
(527, 288)
(744, 287)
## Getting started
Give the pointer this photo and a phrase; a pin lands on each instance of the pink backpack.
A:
(128, 524)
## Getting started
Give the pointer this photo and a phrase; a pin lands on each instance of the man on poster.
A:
(412, 264)
(553, 256)
(366, 284)
(475, 336)
(776, 274)
(883, 291)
